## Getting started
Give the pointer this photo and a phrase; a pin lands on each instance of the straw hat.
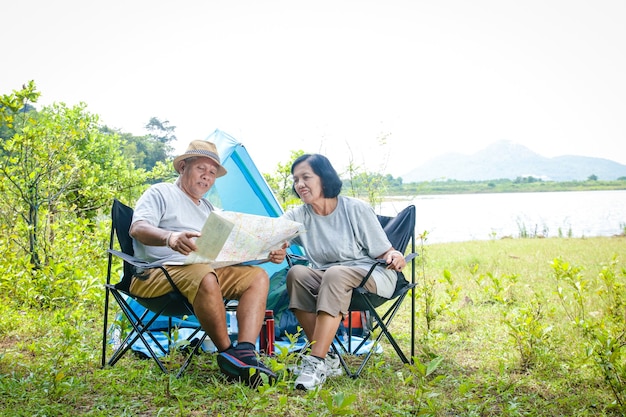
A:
(200, 148)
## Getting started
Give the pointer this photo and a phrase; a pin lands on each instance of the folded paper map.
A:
(230, 238)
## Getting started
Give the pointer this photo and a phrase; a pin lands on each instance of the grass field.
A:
(494, 338)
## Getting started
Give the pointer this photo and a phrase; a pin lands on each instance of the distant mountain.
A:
(508, 160)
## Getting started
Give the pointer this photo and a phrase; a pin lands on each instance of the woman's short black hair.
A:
(321, 166)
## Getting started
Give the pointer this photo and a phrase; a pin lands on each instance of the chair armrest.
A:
(410, 257)
(378, 262)
(141, 264)
(136, 262)
(382, 262)
(293, 259)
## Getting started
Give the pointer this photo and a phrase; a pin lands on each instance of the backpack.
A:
(285, 321)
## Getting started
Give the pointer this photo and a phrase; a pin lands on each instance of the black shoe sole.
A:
(236, 370)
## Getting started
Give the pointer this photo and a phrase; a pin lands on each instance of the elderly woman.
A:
(343, 240)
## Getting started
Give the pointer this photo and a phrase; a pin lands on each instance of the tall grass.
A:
(516, 327)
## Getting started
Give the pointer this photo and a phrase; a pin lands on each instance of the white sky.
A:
(336, 76)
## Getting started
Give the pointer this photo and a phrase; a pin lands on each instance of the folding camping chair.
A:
(171, 305)
(400, 230)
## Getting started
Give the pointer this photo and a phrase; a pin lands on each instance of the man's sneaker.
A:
(244, 365)
(333, 365)
(312, 373)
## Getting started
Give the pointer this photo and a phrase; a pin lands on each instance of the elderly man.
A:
(167, 220)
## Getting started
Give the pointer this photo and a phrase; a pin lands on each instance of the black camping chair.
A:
(170, 305)
(400, 231)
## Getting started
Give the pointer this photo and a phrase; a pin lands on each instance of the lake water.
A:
(462, 217)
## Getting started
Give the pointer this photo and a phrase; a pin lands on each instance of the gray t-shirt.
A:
(166, 206)
(351, 236)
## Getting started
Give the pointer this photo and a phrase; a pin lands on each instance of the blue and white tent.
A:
(243, 189)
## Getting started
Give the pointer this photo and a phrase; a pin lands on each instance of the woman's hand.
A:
(395, 260)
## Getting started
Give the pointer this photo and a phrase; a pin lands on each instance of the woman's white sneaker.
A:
(333, 365)
(312, 373)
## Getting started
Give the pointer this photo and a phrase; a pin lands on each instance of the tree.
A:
(55, 165)
(363, 181)
(149, 152)
(280, 182)
(373, 185)
(138, 149)
(160, 137)
(161, 131)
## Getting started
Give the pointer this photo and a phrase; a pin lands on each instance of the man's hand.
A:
(183, 242)
(278, 255)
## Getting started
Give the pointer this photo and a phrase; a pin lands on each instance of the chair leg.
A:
(139, 328)
(105, 327)
(140, 331)
(193, 352)
(385, 330)
(382, 323)
(343, 362)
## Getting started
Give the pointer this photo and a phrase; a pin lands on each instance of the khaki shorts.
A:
(233, 280)
(329, 290)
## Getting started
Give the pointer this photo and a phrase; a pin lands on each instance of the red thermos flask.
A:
(266, 340)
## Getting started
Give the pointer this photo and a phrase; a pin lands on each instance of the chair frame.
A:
(171, 305)
(363, 300)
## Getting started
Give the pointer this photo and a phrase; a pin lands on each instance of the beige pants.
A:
(329, 290)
